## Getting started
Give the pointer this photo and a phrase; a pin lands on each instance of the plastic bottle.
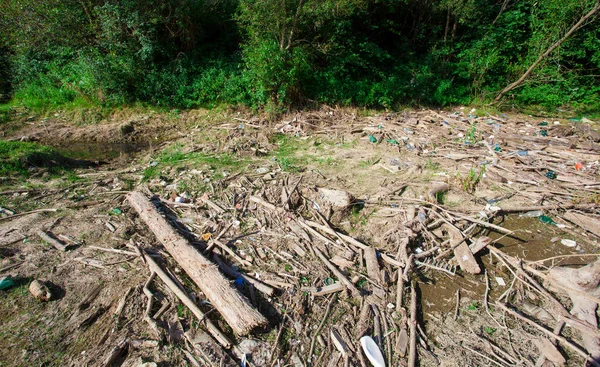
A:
(6, 282)
(532, 214)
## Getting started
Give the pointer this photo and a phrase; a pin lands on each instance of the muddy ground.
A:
(388, 162)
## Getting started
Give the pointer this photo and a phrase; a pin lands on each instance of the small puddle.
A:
(532, 241)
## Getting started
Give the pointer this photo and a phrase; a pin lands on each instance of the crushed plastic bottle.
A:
(6, 282)
(543, 123)
(522, 153)
(544, 132)
(551, 174)
(546, 220)
(532, 214)
(372, 139)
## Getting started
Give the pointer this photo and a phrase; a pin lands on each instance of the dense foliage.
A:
(280, 53)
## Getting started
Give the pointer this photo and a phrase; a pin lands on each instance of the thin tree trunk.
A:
(454, 28)
(548, 51)
(294, 25)
(504, 5)
(447, 25)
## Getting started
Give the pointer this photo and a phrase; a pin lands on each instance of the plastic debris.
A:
(6, 282)
(372, 351)
(116, 211)
(543, 132)
(500, 282)
(546, 220)
(372, 139)
(532, 214)
(568, 243)
(551, 174)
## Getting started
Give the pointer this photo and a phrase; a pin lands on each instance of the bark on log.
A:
(590, 224)
(585, 279)
(231, 304)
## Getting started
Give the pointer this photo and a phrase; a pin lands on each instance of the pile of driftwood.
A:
(268, 251)
(267, 254)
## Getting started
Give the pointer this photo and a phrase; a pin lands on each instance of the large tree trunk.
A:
(548, 52)
(586, 280)
(231, 304)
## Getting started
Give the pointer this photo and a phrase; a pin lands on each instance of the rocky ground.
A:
(449, 226)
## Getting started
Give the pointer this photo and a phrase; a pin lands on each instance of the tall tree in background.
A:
(585, 19)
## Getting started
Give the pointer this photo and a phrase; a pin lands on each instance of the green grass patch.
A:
(20, 158)
(175, 157)
(6, 113)
(286, 153)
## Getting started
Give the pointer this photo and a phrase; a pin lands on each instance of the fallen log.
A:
(230, 303)
(590, 224)
(587, 280)
(187, 301)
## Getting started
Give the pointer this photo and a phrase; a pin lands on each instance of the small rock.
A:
(262, 170)
(247, 346)
(40, 291)
(336, 198)
(141, 363)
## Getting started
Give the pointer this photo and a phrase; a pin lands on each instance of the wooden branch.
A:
(341, 277)
(332, 232)
(150, 296)
(548, 52)
(557, 329)
(316, 332)
(412, 354)
(264, 288)
(462, 253)
(52, 241)
(116, 251)
(27, 213)
(550, 333)
(187, 301)
(502, 9)
(231, 304)
(524, 209)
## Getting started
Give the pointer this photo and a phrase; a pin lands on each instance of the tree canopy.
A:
(282, 53)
